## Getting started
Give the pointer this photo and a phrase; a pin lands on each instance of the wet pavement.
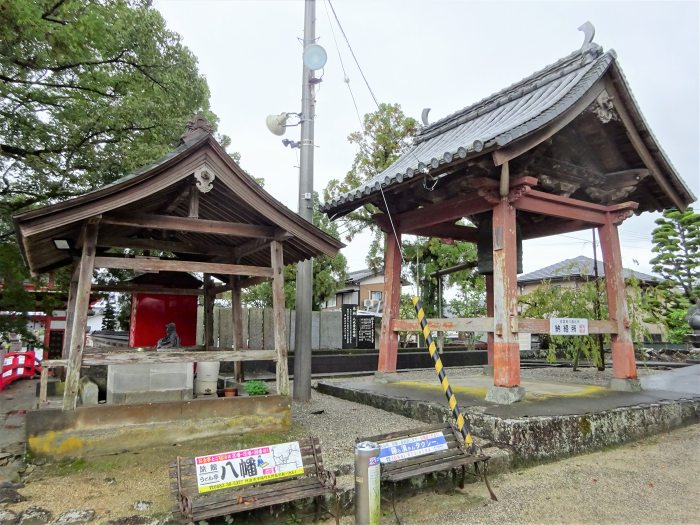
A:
(543, 398)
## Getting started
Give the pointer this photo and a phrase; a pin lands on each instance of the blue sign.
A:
(412, 447)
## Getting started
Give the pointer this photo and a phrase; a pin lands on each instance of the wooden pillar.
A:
(506, 351)
(80, 312)
(208, 312)
(489, 313)
(279, 317)
(623, 361)
(70, 309)
(388, 339)
(237, 314)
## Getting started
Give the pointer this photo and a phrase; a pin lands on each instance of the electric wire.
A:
(346, 78)
(353, 53)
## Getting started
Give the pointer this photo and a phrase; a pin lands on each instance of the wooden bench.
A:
(454, 453)
(194, 506)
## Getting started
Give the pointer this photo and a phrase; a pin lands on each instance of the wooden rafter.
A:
(188, 224)
(156, 265)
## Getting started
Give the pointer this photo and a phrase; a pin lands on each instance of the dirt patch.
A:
(111, 485)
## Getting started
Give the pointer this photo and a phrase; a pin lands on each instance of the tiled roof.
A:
(494, 121)
(580, 266)
(359, 275)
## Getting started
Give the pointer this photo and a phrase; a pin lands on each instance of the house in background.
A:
(571, 273)
(362, 288)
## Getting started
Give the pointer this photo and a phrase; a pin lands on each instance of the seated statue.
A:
(171, 339)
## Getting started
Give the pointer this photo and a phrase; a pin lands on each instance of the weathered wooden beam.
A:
(179, 198)
(547, 204)
(70, 308)
(475, 324)
(237, 326)
(541, 326)
(182, 355)
(208, 313)
(446, 211)
(388, 339)
(506, 350)
(80, 312)
(455, 232)
(156, 265)
(113, 241)
(623, 360)
(46, 365)
(152, 289)
(190, 225)
(546, 228)
(194, 202)
(279, 320)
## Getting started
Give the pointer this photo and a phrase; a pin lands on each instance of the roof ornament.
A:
(424, 116)
(588, 34)
(196, 125)
(204, 178)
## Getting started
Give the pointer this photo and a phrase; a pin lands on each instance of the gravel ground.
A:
(651, 481)
(339, 423)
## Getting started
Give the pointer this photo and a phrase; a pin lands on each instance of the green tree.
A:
(425, 256)
(385, 135)
(577, 300)
(677, 247)
(109, 321)
(90, 91)
(328, 277)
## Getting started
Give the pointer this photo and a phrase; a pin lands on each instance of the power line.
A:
(353, 53)
(346, 78)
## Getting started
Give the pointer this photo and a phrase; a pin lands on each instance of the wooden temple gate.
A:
(202, 213)
(563, 150)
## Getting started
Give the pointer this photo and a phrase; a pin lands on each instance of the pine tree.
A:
(677, 245)
(109, 321)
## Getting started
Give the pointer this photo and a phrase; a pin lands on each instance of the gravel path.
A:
(652, 481)
(339, 423)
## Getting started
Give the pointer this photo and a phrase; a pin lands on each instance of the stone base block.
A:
(386, 377)
(505, 395)
(625, 385)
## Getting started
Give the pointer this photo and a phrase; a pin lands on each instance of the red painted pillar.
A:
(489, 313)
(388, 339)
(623, 361)
(506, 351)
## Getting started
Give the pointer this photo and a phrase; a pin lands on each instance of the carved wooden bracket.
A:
(518, 191)
(621, 216)
(604, 108)
(204, 177)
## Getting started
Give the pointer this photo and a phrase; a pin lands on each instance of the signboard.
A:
(412, 447)
(365, 331)
(349, 326)
(252, 465)
(568, 326)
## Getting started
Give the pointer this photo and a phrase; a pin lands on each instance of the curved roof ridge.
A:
(522, 87)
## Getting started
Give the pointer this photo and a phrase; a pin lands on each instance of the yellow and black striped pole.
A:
(462, 424)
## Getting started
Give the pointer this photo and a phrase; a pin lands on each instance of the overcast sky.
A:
(439, 54)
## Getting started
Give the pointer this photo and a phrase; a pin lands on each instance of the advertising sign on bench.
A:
(412, 447)
(252, 465)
